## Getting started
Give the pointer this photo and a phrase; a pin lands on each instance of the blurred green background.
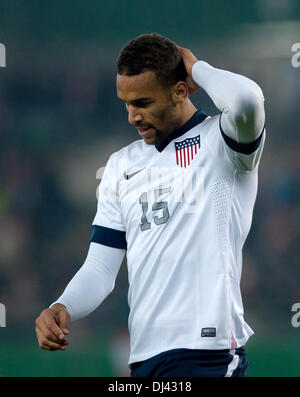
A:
(59, 122)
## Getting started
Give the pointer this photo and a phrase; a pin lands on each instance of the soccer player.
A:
(179, 203)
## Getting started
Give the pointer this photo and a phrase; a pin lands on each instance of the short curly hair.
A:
(152, 52)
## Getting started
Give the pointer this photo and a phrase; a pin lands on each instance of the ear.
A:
(180, 91)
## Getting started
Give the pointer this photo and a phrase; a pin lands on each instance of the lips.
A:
(143, 131)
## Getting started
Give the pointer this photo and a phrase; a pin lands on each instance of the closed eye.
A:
(139, 103)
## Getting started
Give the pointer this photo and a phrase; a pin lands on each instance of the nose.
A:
(134, 115)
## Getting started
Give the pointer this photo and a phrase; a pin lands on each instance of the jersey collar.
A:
(197, 118)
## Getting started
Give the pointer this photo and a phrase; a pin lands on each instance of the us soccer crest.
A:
(186, 150)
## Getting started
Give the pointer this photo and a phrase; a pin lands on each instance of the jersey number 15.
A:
(157, 205)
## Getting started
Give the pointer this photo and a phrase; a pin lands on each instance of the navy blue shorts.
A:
(193, 363)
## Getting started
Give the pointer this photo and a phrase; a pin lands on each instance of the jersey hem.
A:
(208, 346)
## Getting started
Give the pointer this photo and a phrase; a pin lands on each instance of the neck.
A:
(188, 111)
(190, 120)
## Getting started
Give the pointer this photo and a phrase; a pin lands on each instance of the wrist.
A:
(58, 307)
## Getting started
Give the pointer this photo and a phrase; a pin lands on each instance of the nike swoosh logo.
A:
(128, 176)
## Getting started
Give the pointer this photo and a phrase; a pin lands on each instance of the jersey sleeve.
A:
(242, 157)
(93, 282)
(245, 157)
(108, 226)
(239, 132)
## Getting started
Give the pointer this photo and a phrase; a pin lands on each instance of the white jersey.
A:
(182, 209)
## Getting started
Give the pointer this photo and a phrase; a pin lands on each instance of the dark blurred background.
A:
(59, 122)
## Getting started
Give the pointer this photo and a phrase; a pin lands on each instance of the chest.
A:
(153, 190)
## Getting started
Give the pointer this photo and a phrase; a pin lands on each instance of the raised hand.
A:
(189, 59)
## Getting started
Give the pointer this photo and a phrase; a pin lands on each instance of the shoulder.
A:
(128, 151)
(209, 127)
(127, 157)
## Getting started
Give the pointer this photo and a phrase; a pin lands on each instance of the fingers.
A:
(46, 344)
(181, 49)
(62, 317)
(184, 51)
(188, 58)
(193, 87)
(50, 335)
(48, 322)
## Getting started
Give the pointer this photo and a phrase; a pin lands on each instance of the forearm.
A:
(93, 282)
(240, 100)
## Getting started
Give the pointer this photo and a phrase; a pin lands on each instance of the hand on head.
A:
(189, 60)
